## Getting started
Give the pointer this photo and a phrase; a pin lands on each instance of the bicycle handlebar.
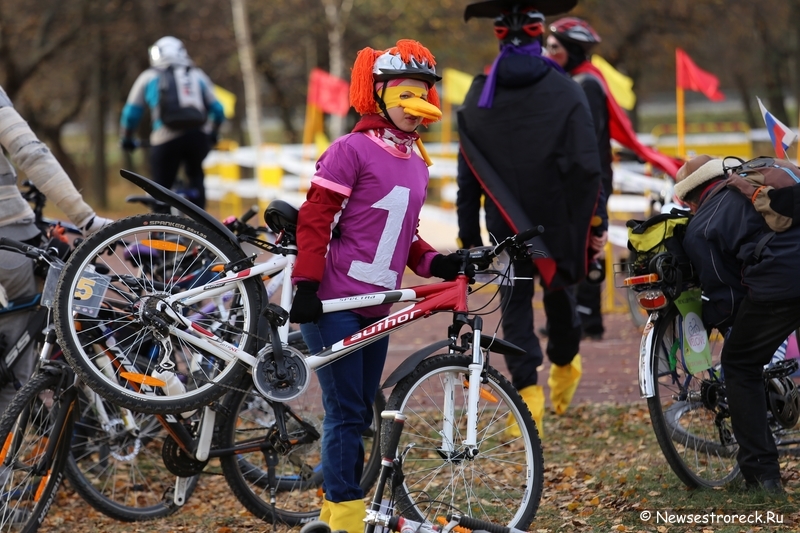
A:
(25, 249)
(517, 244)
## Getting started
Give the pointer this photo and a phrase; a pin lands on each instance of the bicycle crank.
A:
(178, 461)
(281, 386)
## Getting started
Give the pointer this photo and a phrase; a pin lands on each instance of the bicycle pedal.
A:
(781, 369)
(275, 314)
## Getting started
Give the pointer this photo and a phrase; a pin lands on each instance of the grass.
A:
(603, 469)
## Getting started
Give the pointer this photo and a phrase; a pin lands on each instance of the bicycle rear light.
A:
(640, 280)
(652, 299)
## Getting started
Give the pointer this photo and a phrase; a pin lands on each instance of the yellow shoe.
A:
(347, 516)
(533, 396)
(325, 511)
(563, 382)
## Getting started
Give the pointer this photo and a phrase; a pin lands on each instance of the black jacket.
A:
(723, 240)
(539, 138)
(596, 96)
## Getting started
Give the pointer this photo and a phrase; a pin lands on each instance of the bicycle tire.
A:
(299, 473)
(120, 472)
(486, 487)
(685, 407)
(26, 426)
(167, 254)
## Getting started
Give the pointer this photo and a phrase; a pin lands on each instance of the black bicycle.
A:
(681, 376)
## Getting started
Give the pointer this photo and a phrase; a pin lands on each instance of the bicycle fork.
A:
(451, 384)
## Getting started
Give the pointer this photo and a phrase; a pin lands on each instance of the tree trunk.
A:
(98, 127)
(337, 22)
(52, 137)
(281, 100)
(744, 93)
(247, 64)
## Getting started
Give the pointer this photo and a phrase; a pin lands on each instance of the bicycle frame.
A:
(444, 296)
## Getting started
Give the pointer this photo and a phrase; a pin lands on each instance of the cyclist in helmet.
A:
(750, 285)
(181, 102)
(528, 146)
(361, 177)
(569, 44)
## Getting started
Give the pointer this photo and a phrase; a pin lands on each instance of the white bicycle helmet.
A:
(168, 51)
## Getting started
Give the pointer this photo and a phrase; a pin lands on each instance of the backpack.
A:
(769, 185)
(181, 102)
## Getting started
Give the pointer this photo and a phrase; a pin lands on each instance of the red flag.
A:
(329, 93)
(621, 129)
(693, 78)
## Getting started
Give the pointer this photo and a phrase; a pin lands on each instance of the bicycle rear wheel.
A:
(28, 480)
(299, 469)
(689, 410)
(502, 483)
(109, 324)
(117, 467)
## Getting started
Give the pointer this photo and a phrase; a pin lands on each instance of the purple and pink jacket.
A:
(373, 193)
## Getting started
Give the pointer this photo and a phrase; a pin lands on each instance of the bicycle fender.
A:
(411, 362)
(180, 203)
(647, 351)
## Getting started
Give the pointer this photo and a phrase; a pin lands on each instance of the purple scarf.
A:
(531, 49)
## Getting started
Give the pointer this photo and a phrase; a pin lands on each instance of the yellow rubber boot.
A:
(325, 511)
(563, 382)
(533, 396)
(347, 516)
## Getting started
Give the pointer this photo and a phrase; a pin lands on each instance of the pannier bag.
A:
(660, 233)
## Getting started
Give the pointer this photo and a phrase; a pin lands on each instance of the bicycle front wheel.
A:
(689, 410)
(116, 464)
(501, 483)
(31, 469)
(113, 327)
(297, 470)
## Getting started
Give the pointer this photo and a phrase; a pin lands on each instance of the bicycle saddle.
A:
(281, 216)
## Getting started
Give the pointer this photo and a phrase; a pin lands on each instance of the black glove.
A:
(306, 306)
(446, 267)
(213, 138)
(128, 144)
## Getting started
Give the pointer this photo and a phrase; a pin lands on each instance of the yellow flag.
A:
(621, 86)
(227, 99)
(455, 84)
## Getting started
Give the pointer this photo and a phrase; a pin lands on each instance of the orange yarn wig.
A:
(362, 79)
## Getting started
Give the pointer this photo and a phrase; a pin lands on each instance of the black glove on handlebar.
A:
(306, 306)
(447, 266)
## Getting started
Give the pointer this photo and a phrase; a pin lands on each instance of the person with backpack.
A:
(748, 272)
(528, 147)
(181, 102)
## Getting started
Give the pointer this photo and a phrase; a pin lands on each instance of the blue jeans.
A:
(348, 387)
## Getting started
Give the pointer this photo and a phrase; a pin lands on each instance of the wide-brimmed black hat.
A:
(494, 8)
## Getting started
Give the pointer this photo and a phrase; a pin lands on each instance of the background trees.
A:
(68, 64)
